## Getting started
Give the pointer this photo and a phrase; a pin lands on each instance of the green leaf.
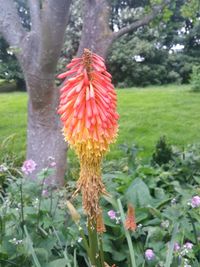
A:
(159, 193)
(107, 245)
(197, 179)
(141, 214)
(118, 255)
(42, 254)
(155, 212)
(155, 234)
(57, 263)
(138, 194)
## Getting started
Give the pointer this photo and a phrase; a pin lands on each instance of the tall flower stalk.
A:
(88, 112)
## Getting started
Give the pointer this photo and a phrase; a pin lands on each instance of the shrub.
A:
(163, 152)
(195, 78)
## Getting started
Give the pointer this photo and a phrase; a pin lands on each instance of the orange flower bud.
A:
(130, 222)
(100, 224)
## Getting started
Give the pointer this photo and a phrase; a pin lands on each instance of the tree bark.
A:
(44, 136)
(96, 34)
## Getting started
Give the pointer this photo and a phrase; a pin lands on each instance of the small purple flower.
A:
(195, 202)
(176, 246)
(149, 254)
(112, 214)
(188, 245)
(45, 193)
(28, 166)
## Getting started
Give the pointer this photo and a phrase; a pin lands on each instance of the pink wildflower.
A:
(195, 202)
(176, 246)
(28, 166)
(188, 245)
(45, 193)
(112, 214)
(149, 254)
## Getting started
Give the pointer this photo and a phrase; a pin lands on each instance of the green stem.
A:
(101, 250)
(56, 205)
(51, 202)
(93, 244)
(92, 247)
(127, 234)
(40, 201)
(75, 261)
(84, 240)
(22, 205)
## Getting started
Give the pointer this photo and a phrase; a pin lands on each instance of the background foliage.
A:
(36, 229)
(160, 53)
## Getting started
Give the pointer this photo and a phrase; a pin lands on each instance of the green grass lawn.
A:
(13, 117)
(145, 115)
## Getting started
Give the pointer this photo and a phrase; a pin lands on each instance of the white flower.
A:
(3, 168)
(15, 241)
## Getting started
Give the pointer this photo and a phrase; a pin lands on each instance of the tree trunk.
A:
(44, 135)
(96, 34)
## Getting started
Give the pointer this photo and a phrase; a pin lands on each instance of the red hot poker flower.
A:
(88, 112)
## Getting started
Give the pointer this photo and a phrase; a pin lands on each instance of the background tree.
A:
(162, 52)
(9, 67)
(98, 30)
(38, 51)
(162, 64)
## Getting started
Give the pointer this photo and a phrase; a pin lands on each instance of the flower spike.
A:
(88, 112)
(130, 222)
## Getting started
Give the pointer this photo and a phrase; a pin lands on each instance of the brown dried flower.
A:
(130, 222)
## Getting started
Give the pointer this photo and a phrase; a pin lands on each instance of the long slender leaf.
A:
(169, 257)
(64, 251)
(35, 259)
